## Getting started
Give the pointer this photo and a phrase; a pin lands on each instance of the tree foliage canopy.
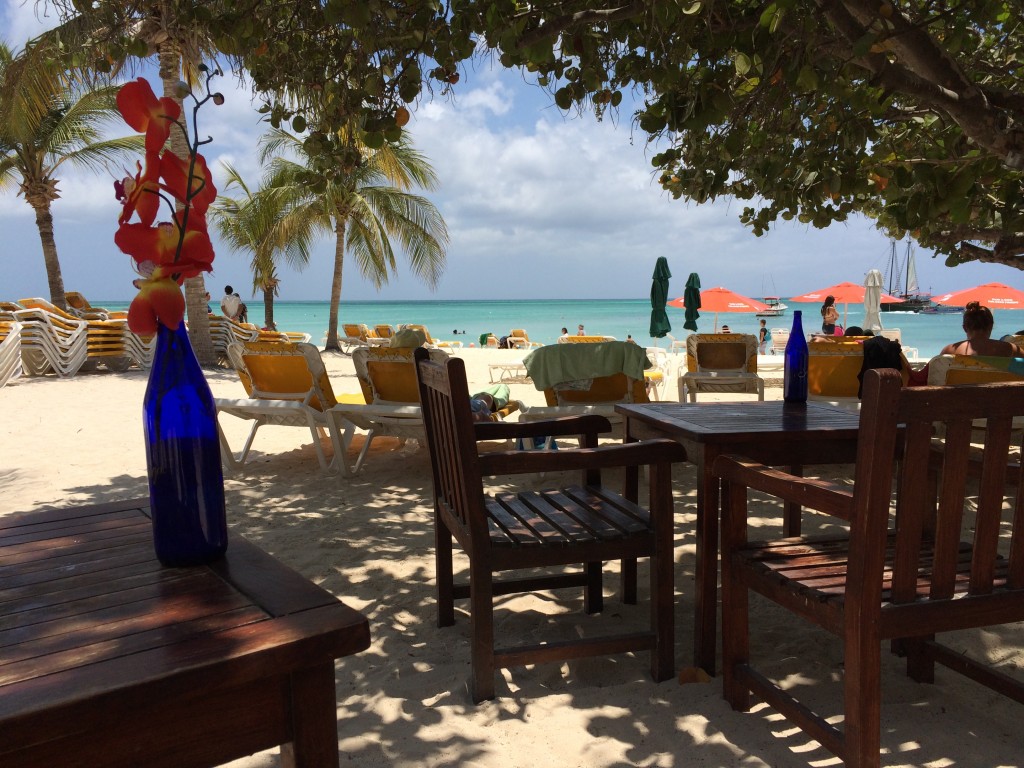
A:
(909, 111)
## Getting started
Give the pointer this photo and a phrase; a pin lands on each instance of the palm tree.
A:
(46, 120)
(261, 222)
(364, 207)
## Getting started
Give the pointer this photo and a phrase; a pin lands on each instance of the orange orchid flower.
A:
(144, 112)
(159, 300)
(141, 194)
(174, 171)
(159, 245)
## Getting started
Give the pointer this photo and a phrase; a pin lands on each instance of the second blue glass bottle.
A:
(794, 383)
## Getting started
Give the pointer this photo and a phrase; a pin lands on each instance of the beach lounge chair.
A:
(287, 385)
(947, 558)
(520, 339)
(720, 362)
(391, 406)
(833, 364)
(676, 345)
(780, 338)
(528, 530)
(911, 353)
(10, 350)
(50, 343)
(577, 339)
(105, 338)
(582, 379)
(659, 373)
(78, 305)
(431, 341)
(357, 335)
(384, 331)
(224, 332)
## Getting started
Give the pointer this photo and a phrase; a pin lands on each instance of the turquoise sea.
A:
(543, 320)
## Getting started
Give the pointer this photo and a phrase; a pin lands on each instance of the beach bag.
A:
(839, 331)
(879, 352)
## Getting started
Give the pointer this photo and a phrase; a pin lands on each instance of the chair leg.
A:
(628, 569)
(920, 666)
(735, 608)
(481, 600)
(862, 691)
(443, 574)
(366, 449)
(593, 598)
(662, 570)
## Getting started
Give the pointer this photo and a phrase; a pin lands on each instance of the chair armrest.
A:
(560, 427)
(646, 452)
(821, 495)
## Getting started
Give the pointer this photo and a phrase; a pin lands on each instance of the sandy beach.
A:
(404, 702)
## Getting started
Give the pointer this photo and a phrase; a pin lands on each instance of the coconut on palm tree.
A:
(263, 223)
(366, 207)
(48, 121)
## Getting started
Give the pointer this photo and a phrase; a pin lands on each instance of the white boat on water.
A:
(775, 307)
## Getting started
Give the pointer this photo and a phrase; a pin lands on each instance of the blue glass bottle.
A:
(794, 382)
(186, 482)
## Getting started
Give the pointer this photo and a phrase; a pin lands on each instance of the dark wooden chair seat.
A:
(583, 524)
(904, 575)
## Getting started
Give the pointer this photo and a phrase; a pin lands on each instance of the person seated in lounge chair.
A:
(977, 324)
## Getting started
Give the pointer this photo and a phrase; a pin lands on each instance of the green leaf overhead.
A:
(808, 109)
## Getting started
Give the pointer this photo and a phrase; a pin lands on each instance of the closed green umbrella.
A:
(660, 325)
(691, 298)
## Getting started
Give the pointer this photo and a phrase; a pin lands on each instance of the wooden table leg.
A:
(314, 720)
(706, 572)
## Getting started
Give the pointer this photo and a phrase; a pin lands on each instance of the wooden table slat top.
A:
(726, 421)
(90, 621)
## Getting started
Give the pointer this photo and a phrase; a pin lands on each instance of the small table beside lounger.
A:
(110, 659)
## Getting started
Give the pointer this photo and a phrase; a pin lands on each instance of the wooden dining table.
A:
(772, 432)
(109, 659)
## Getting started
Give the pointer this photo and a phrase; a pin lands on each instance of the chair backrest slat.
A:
(973, 497)
(913, 508)
(991, 488)
(448, 423)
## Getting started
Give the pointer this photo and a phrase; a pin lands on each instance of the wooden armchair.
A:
(584, 524)
(942, 566)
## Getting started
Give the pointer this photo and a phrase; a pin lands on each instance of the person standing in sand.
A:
(978, 323)
(762, 339)
(581, 332)
(829, 316)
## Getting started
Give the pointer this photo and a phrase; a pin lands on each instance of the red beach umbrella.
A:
(846, 293)
(991, 295)
(722, 300)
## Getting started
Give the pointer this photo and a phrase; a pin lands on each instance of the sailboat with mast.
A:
(903, 272)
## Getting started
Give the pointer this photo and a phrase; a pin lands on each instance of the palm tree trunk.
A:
(44, 222)
(195, 287)
(268, 309)
(339, 263)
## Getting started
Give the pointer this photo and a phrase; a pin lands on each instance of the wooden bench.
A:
(941, 567)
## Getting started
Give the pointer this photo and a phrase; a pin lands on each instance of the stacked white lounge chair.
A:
(10, 351)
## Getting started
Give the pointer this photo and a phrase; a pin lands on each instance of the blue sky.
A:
(538, 205)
